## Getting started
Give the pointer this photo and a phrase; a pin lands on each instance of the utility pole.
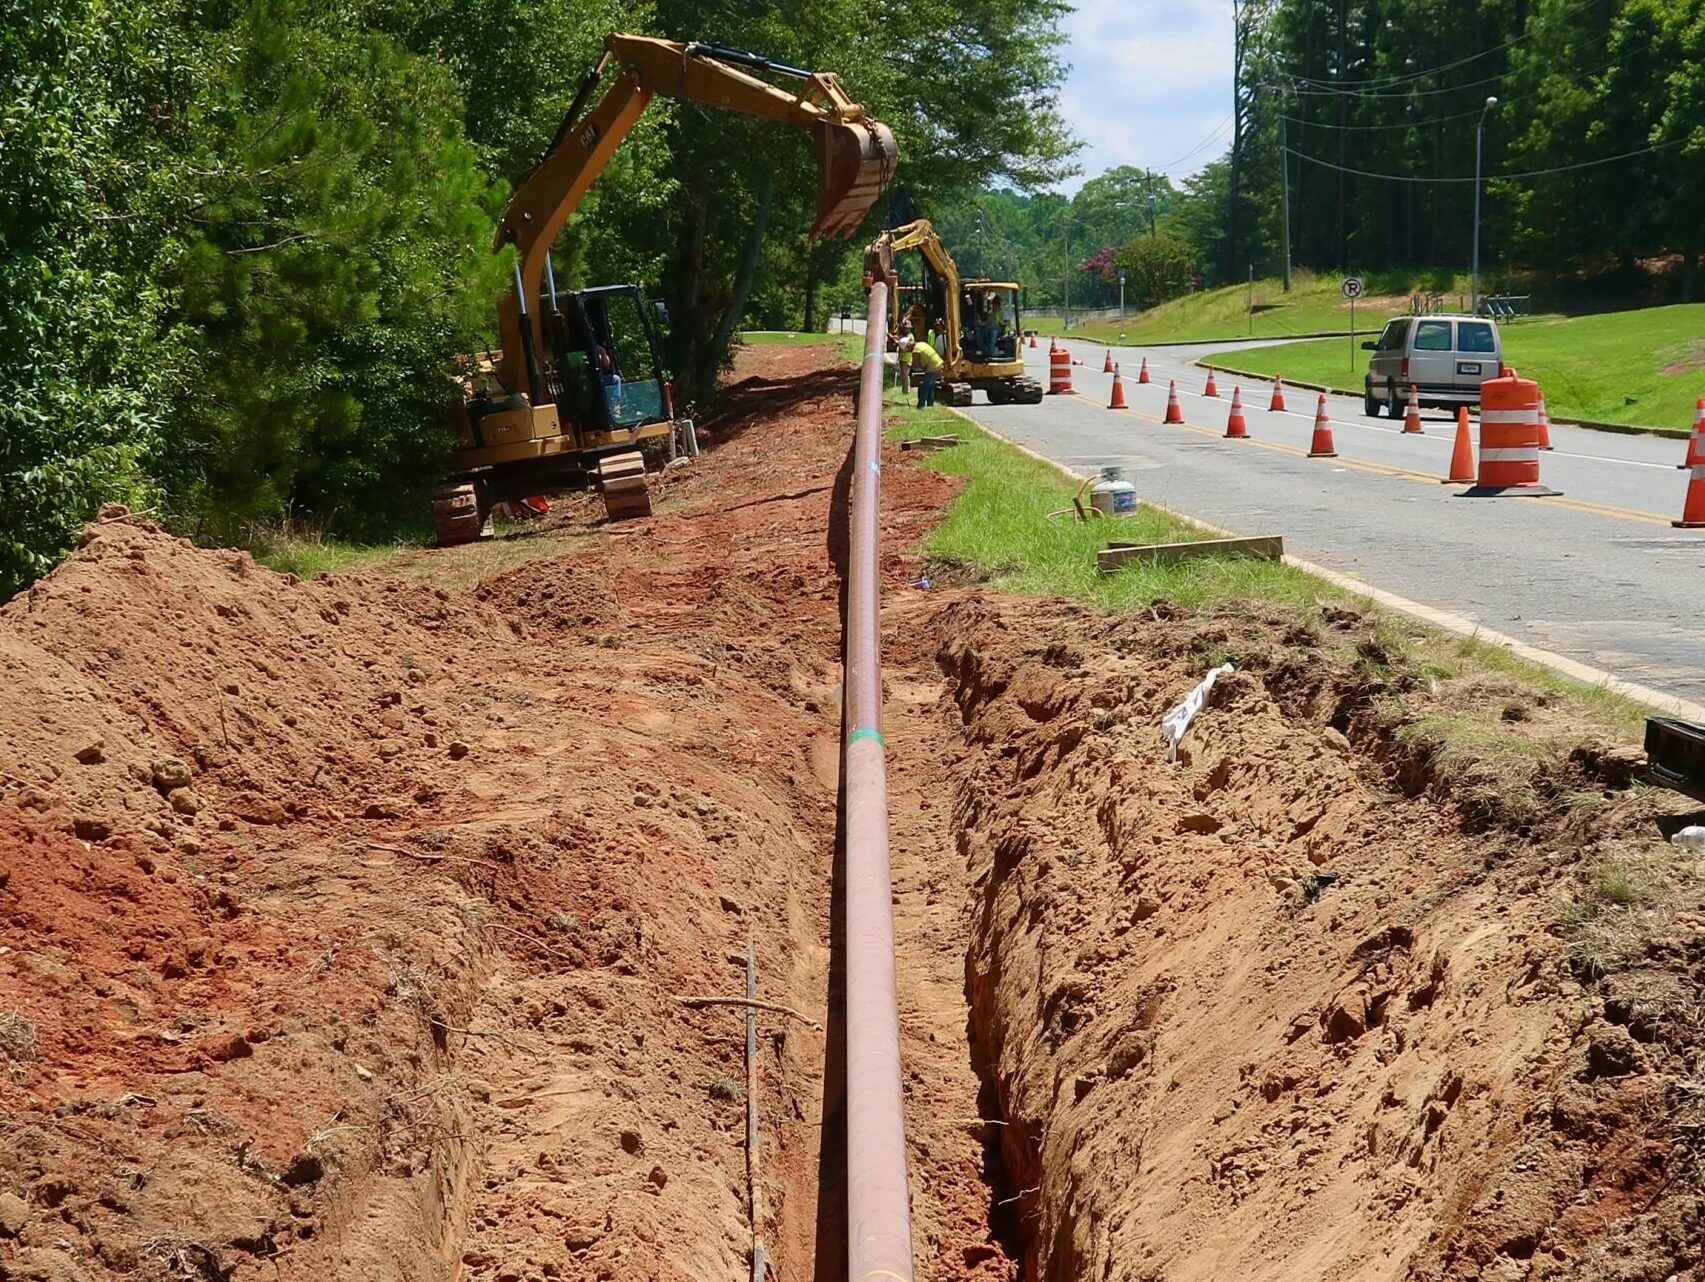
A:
(1479, 137)
(1066, 271)
(1285, 191)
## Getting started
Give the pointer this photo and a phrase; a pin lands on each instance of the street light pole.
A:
(1066, 272)
(1479, 138)
(1285, 193)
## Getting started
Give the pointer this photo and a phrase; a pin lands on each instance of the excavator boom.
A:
(856, 154)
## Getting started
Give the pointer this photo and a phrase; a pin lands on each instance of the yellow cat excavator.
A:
(578, 384)
(979, 318)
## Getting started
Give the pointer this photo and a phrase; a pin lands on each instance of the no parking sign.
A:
(1352, 288)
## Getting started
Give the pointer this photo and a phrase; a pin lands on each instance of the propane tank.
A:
(1113, 495)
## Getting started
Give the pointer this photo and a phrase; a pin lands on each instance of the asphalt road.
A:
(1597, 575)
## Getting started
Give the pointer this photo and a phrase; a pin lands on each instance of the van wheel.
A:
(1370, 407)
(1393, 406)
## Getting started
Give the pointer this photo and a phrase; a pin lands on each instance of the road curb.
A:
(1445, 620)
(1620, 429)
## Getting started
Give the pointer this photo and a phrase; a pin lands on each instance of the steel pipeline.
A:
(879, 1229)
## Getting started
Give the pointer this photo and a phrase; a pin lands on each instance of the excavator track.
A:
(456, 515)
(621, 478)
(956, 394)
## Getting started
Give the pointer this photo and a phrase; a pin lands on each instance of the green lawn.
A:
(1642, 368)
(1007, 527)
(1315, 305)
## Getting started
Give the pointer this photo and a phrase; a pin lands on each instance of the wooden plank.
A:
(930, 443)
(1263, 547)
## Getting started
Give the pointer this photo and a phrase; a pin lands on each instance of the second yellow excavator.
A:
(977, 320)
(579, 383)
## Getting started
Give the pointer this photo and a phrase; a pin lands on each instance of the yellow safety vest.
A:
(926, 357)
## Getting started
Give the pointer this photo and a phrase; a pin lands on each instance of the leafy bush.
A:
(1157, 267)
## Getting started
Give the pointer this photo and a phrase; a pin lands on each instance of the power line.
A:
(1531, 30)
(1218, 130)
(1401, 124)
(1532, 173)
(1461, 115)
(1400, 94)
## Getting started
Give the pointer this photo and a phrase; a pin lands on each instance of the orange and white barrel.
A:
(1059, 372)
(1509, 436)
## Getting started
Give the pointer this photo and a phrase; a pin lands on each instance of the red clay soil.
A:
(1260, 1015)
(343, 924)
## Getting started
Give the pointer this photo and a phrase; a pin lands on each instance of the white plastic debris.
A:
(1175, 723)
(1690, 838)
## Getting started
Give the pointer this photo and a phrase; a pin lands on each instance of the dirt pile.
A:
(1259, 1015)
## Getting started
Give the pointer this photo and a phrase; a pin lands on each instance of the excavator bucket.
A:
(855, 167)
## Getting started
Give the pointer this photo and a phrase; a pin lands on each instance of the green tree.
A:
(86, 127)
(1157, 267)
(336, 261)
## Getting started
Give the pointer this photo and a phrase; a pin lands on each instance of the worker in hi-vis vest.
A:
(928, 362)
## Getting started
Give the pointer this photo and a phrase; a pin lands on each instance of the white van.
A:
(1445, 357)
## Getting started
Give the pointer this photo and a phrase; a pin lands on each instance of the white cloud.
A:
(1149, 81)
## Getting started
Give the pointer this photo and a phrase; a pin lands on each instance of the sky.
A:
(1149, 81)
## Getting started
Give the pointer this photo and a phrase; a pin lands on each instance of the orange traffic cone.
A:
(1235, 427)
(1412, 420)
(1322, 446)
(1033, 342)
(1107, 365)
(1053, 343)
(1693, 509)
(1210, 389)
(1462, 453)
(1278, 402)
(1696, 442)
(1173, 413)
(1118, 401)
(1544, 425)
(1143, 374)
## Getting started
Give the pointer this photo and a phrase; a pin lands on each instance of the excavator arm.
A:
(856, 157)
(921, 236)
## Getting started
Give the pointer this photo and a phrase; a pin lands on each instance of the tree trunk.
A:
(810, 326)
(743, 282)
(1689, 274)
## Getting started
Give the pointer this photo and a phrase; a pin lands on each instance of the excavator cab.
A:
(605, 371)
(990, 332)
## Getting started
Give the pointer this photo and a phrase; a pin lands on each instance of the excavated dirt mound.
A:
(1260, 1015)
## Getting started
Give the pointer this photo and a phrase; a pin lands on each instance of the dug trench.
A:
(347, 923)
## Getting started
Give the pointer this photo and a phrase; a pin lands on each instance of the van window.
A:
(1475, 336)
(1392, 339)
(1432, 336)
